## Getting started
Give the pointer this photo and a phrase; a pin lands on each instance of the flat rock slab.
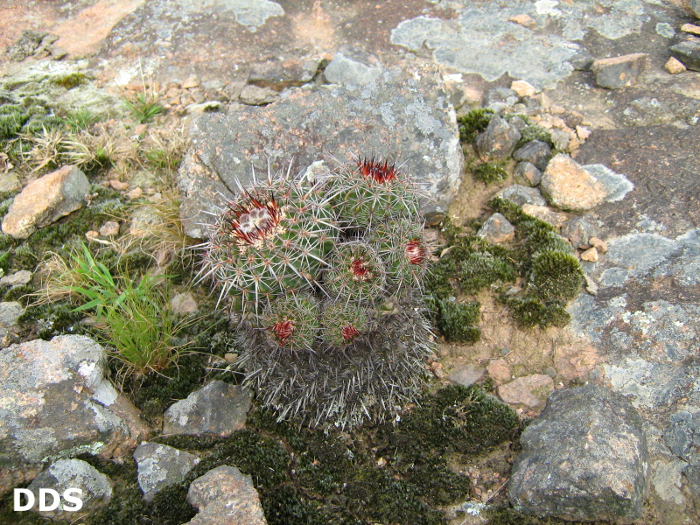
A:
(224, 496)
(404, 116)
(160, 466)
(55, 401)
(619, 72)
(584, 458)
(218, 408)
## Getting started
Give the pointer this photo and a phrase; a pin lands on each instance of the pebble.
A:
(523, 88)
(674, 66)
(582, 133)
(524, 20)
(17, 278)
(527, 172)
(257, 96)
(191, 82)
(497, 229)
(590, 255)
(135, 193)
(598, 244)
(543, 213)
(691, 28)
(118, 185)
(567, 185)
(499, 371)
(109, 229)
(619, 72)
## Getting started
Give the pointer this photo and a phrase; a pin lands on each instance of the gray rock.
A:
(499, 98)
(560, 139)
(9, 181)
(567, 185)
(527, 172)
(258, 96)
(218, 408)
(160, 466)
(498, 141)
(9, 314)
(497, 229)
(683, 435)
(466, 374)
(55, 401)
(688, 53)
(352, 68)
(579, 230)
(225, 496)
(25, 46)
(20, 277)
(584, 458)
(403, 115)
(694, 6)
(73, 474)
(520, 195)
(46, 200)
(287, 73)
(531, 391)
(536, 152)
(543, 213)
(619, 72)
(184, 304)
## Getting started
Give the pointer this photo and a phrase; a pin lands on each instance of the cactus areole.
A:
(309, 263)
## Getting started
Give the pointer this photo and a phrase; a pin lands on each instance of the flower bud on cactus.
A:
(271, 240)
(372, 192)
(401, 245)
(343, 323)
(356, 273)
(291, 322)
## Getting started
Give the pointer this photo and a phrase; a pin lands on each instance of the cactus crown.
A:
(327, 274)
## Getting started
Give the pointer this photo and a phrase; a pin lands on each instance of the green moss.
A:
(284, 506)
(481, 269)
(5, 260)
(12, 118)
(473, 123)
(556, 275)
(50, 320)
(436, 483)
(490, 172)
(24, 258)
(529, 312)
(458, 321)
(70, 80)
(534, 132)
(20, 293)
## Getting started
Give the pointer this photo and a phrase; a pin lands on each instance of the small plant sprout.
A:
(313, 263)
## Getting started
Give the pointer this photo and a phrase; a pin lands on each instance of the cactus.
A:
(271, 241)
(328, 276)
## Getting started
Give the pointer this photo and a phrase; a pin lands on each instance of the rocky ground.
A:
(257, 80)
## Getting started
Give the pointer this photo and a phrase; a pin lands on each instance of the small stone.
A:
(688, 53)
(109, 229)
(579, 230)
(498, 141)
(17, 278)
(499, 98)
(219, 408)
(524, 20)
(92, 235)
(466, 374)
(46, 200)
(161, 466)
(535, 152)
(190, 83)
(184, 304)
(437, 370)
(527, 172)
(135, 193)
(523, 88)
(582, 133)
(543, 213)
(96, 488)
(497, 229)
(9, 313)
(619, 72)
(590, 255)
(531, 391)
(225, 496)
(674, 66)
(567, 185)
(520, 195)
(118, 185)
(499, 371)
(204, 107)
(9, 182)
(691, 28)
(257, 96)
(561, 139)
(598, 244)
(230, 357)
(591, 285)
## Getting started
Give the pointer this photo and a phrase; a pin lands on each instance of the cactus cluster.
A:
(325, 273)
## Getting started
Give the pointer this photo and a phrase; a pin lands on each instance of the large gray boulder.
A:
(56, 402)
(402, 115)
(584, 458)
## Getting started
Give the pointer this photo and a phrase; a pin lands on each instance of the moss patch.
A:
(473, 123)
(490, 172)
